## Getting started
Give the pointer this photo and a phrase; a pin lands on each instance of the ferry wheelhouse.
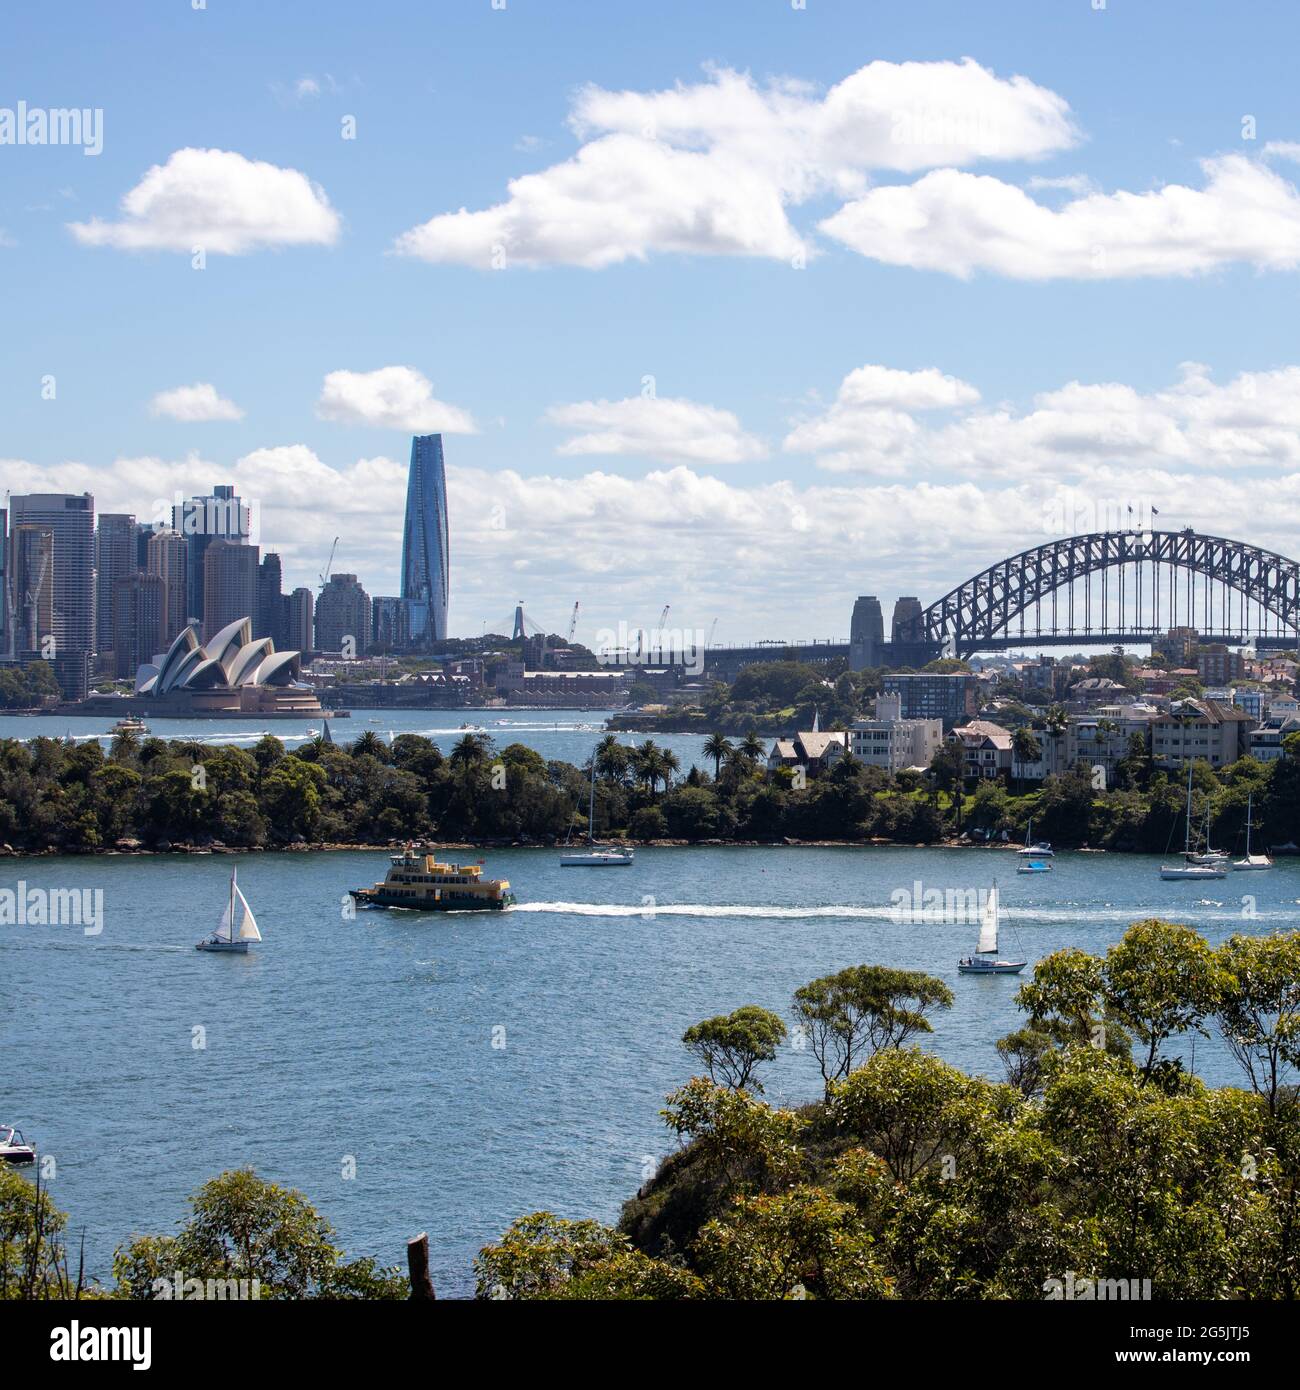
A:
(417, 880)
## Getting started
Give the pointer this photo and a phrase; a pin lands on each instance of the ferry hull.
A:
(371, 897)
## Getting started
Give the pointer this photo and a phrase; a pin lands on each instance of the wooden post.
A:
(417, 1262)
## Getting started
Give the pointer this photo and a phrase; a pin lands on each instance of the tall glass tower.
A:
(424, 541)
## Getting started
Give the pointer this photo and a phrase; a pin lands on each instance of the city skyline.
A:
(744, 392)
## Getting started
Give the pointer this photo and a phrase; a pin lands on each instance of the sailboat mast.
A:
(591, 802)
(232, 905)
(1187, 831)
(1250, 797)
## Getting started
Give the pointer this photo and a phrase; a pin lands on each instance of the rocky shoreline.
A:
(138, 848)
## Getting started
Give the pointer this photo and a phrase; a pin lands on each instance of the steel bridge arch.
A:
(980, 611)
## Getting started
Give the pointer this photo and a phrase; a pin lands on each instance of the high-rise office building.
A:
(298, 632)
(31, 578)
(70, 517)
(425, 572)
(391, 624)
(202, 520)
(168, 558)
(343, 618)
(138, 607)
(229, 584)
(269, 620)
(115, 558)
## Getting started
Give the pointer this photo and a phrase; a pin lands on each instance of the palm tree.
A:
(645, 759)
(716, 746)
(752, 746)
(669, 763)
(369, 742)
(1025, 748)
(469, 751)
(611, 759)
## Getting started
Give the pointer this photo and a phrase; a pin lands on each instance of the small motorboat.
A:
(14, 1148)
(1034, 866)
(1042, 850)
(237, 928)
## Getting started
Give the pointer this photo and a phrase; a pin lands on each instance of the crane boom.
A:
(573, 624)
(329, 564)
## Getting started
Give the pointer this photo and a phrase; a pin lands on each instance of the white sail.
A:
(989, 924)
(223, 931)
(247, 923)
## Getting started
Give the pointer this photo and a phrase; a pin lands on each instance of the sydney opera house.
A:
(231, 674)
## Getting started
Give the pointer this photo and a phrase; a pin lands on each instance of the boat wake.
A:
(884, 912)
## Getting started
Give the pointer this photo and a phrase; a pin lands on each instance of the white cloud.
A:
(395, 398)
(655, 427)
(777, 559)
(1195, 424)
(194, 404)
(220, 201)
(961, 223)
(711, 168)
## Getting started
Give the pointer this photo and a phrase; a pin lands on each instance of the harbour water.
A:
(564, 734)
(475, 1067)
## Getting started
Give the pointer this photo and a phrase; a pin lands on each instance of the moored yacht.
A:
(1251, 861)
(1194, 867)
(1039, 851)
(595, 857)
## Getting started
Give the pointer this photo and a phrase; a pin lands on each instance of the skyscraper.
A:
(70, 517)
(425, 574)
(343, 613)
(31, 575)
(298, 634)
(138, 604)
(202, 520)
(229, 584)
(269, 620)
(168, 558)
(115, 558)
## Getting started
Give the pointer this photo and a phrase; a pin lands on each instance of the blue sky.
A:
(733, 484)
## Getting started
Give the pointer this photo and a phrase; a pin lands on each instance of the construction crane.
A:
(663, 617)
(329, 564)
(712, 630)
(573, 625)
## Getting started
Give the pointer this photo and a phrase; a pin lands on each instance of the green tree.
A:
(242, 1227)
(865, 1008)
(1258, 1008)
(731, 1046)
(1160, 980)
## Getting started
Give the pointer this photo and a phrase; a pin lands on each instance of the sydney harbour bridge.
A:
(1105, 588)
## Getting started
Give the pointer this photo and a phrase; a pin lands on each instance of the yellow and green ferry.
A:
(417, 880)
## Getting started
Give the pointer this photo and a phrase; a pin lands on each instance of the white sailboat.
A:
(1191, 868)
(594, 858)
(980, 963)
(1251, 861)
(237, 928)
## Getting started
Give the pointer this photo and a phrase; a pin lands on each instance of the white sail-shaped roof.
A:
(242, 668)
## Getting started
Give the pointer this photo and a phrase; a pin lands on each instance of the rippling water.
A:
(374, 1037)
(568, 735)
